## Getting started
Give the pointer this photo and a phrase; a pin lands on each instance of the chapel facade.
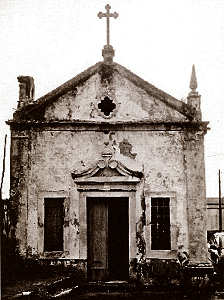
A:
(107, 169)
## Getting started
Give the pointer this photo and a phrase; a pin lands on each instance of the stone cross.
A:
(108, 15)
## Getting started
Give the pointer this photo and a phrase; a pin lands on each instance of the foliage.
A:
(15, 267)
(158, 272)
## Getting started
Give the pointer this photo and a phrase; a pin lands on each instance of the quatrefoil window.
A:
(106, 106)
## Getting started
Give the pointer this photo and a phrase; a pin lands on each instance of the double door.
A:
(108, 238)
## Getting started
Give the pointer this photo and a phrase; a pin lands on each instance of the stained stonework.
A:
(126, 149)
(148, 133)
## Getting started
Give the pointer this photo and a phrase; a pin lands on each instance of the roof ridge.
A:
(72, 81)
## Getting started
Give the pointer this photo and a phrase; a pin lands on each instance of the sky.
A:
(159, 40)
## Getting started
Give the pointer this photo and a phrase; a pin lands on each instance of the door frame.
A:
(118, 181)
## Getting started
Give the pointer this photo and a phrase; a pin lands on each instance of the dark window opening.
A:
(160, 224)
(53, 224)
(106, 106)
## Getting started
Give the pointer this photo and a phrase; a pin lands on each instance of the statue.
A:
(26, 88)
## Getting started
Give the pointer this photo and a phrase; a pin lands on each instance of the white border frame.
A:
(40, 243)
(162, 254)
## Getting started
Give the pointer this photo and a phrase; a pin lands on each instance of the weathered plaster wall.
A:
(56, 154)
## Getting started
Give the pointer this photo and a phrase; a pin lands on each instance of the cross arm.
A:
(107, 15)
(115, 15)
(101, 15)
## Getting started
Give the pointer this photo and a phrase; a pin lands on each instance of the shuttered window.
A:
(53, 224)
(160, 224)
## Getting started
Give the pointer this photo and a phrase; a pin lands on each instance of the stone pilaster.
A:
(196, 195)
(19, 168)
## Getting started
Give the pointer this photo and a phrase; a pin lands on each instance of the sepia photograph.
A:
(112, 149)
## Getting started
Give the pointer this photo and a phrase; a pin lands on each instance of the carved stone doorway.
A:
(107, 238)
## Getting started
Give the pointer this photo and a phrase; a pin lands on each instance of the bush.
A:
(15, 267)
(157, 272)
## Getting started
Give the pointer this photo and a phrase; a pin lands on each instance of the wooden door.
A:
(97, 227)
(118, 239)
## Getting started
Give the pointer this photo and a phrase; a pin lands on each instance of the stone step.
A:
(110, 286)
(131, 295)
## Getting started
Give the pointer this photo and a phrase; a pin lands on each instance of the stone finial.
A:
(108, 54)
(194, 99)
(193, 82)
(26, 90)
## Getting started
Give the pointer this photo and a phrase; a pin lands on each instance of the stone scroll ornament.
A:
(111, 164)
(107, 162)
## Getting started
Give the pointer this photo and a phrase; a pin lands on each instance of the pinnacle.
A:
(193, 82)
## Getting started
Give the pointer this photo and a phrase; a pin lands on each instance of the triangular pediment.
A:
(107, 172)
(107, 93)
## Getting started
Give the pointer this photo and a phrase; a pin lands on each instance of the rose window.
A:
(106, 106)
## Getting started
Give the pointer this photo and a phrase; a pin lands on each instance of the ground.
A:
(62, 287)
(17, 287)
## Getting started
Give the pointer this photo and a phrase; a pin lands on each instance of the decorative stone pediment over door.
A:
(107, 172)
(109, 180)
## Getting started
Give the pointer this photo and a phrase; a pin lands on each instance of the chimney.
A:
(26, 90)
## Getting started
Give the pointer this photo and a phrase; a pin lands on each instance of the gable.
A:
(129, 103)
(108, 93)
